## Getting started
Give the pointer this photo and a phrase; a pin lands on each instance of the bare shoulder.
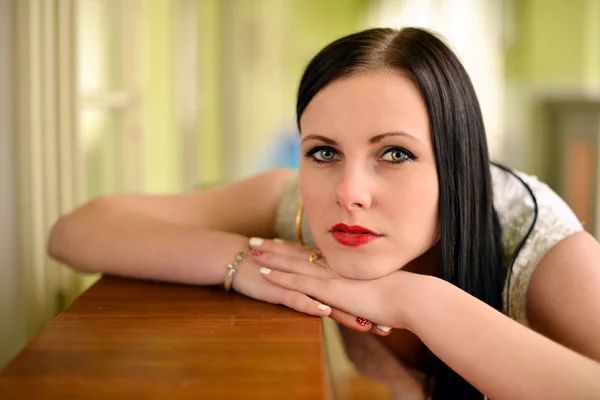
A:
(247, 206)
(562, 297)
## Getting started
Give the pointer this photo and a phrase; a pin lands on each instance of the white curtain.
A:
(47, 159)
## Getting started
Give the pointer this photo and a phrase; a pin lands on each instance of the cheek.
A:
(318, 195)
(416, 212)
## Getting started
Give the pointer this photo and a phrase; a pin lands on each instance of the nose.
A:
(353, 191)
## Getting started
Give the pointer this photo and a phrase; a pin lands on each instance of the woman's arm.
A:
(500, 357)
(186, 238)
(563, 296)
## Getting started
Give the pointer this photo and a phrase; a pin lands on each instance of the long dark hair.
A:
(469, 227)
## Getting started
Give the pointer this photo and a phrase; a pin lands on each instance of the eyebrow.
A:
(373, 140)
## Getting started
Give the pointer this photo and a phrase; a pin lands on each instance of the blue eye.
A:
(322, 154)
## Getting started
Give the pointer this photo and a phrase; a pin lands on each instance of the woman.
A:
(415, 230)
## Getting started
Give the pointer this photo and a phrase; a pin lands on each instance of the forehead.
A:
(368, 104)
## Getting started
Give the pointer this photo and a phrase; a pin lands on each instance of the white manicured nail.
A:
(323, 307)
(278, 240)
(265, 271)
(256, 241)
(384, 328)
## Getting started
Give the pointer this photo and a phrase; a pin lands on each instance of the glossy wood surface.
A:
(126, 339)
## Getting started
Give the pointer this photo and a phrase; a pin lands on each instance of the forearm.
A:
(500, 357)
(132, 244)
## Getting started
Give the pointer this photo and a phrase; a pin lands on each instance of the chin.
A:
(361, 267)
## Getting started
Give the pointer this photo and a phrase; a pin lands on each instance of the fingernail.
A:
(363, 321)
(323, 307)
(256, 253)
(384, 328)
(256, 241)
(277, 240)
(265, 271)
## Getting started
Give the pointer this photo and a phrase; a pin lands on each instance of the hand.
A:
(292, 270)
(249, 282)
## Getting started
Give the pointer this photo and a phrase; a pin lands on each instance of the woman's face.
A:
(367, 174)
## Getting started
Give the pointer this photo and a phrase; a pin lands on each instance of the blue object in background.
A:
(283, 152)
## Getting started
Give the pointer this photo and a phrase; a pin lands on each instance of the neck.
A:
(426, 264)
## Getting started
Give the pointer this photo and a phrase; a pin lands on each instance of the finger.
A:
(299, 302)
(333, 292)
(349, 321)
(352, 322)
(286, 263)
(329, 291)
(282, 247)
(312, 286)
(381, 330)
(265, 291)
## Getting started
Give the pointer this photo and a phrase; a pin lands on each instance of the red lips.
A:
(353, 235)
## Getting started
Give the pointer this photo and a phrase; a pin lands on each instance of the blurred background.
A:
(164, 96)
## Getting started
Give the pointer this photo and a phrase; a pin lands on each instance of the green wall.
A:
(549, 46)
(554, 53)
(161, 141)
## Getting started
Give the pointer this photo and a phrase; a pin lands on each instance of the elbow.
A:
(68, 236)
(58, 239)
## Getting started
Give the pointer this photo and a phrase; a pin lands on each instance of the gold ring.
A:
(314, 257)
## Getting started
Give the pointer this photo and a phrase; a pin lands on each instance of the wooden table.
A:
(127, 339)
